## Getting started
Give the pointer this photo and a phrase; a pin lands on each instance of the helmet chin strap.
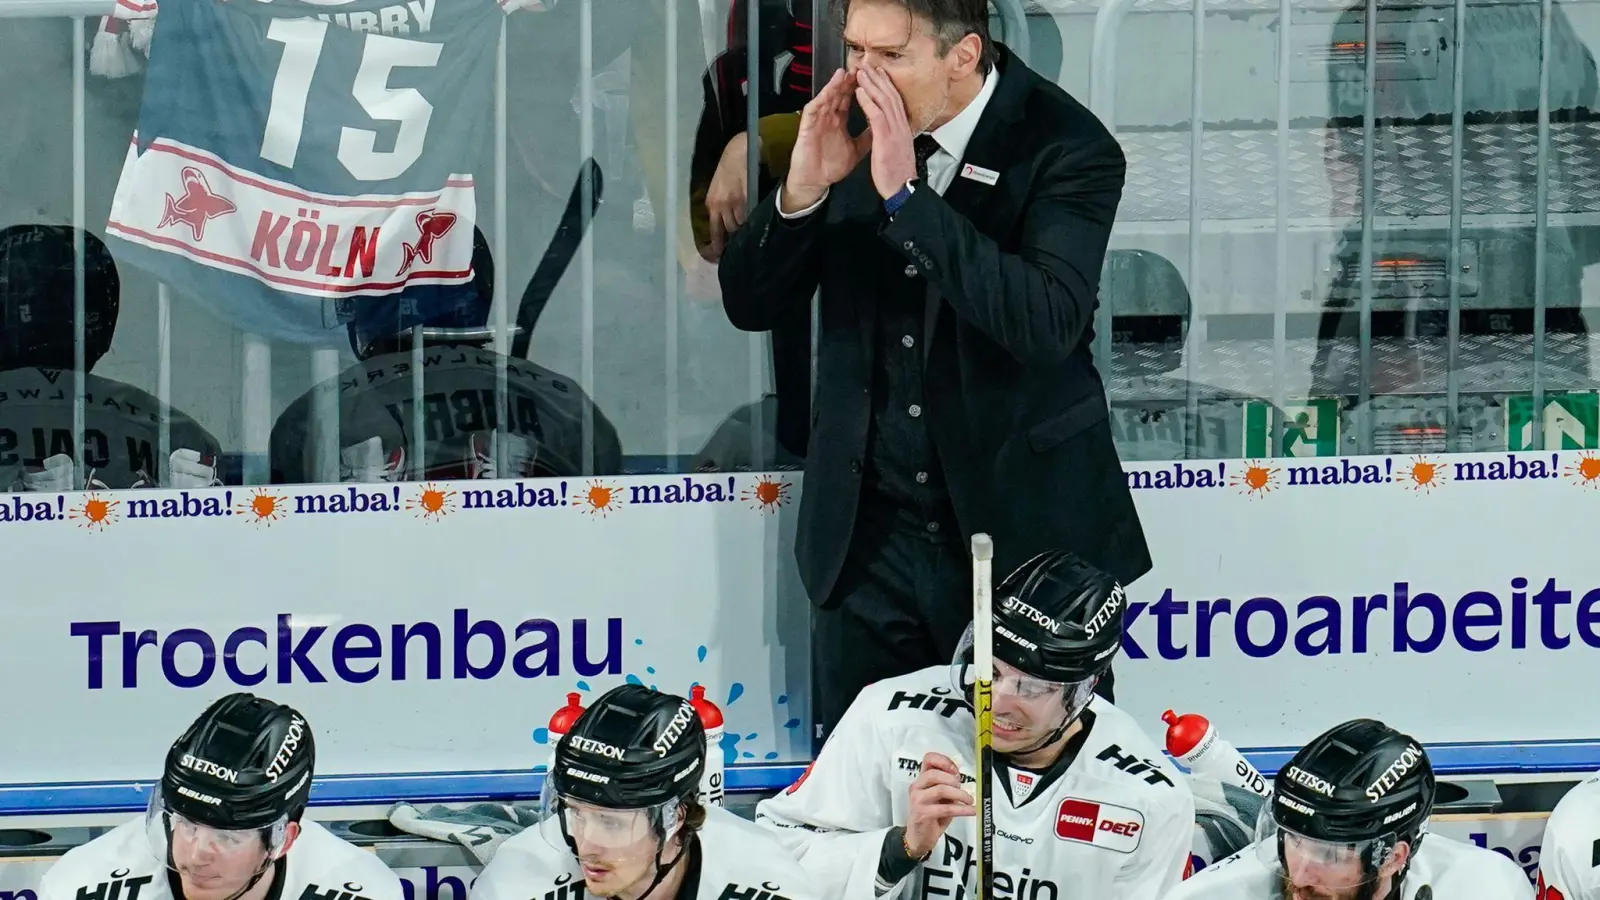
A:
(663, 868)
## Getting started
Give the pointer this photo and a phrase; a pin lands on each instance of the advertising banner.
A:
(419, 627)
(1451, 596)
(433, 628)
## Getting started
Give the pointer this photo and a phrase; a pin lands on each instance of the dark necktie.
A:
(925, 146)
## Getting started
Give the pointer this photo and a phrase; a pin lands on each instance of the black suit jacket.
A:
(1014, 404)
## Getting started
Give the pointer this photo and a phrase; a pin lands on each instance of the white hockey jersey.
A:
(1441, 869)
(738, 861)
(1569, 857)
(1112, 820)
(120, 865)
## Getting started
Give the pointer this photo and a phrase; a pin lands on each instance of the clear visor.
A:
(1307, 862)
(193, 848)
(1013, 682)
(613, 835)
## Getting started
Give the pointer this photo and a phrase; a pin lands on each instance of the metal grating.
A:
(1488, 364)
(1411, 172)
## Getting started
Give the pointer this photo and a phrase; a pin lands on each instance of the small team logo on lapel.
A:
(979, 174)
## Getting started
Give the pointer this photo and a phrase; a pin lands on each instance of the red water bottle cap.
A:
(565, 717)
(1185, 732)
(710, 716)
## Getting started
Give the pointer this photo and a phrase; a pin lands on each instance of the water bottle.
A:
(1193, 741)
(561, 723)
(711, 792)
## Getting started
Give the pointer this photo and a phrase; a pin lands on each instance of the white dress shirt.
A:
(953, 137)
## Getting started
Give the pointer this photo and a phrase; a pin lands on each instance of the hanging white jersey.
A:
(121, 865)
(1113, 819)
(293, 152)
(1569, 858)
(1442, 869)
(737, 861)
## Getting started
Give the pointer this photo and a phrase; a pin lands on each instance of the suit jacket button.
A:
(911, 271)
(908, 245)
(855, 467)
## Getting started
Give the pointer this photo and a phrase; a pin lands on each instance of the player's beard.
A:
(1288, 891)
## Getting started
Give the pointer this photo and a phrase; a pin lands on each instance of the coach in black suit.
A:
(958, 244)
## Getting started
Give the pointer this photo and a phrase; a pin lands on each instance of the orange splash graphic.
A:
(96, 512)
(1585, 471)
(1258, 479)
(767, 494)
(262, 508)
(433, 503)
(599, 499)
(1423, 473)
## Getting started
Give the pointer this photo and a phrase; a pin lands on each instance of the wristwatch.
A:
(899, 198)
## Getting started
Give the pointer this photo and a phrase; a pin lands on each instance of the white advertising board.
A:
(1450, 596)
(420, 627)
(434, 628)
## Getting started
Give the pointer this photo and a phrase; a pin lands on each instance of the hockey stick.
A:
(558, 255)
(983, 706)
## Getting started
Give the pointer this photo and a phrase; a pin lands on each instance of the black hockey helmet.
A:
(634, 748)
(246, 763)
(1058, 618)
(1354, 792)
(447, 313)
(623, 779)
(37, 288)
(1058, 622)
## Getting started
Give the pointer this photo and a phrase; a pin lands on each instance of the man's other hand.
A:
(728, 195)
(824, 152)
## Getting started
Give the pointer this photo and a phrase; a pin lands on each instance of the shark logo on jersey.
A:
(432, 225)
(1105, 825)
(198, 205)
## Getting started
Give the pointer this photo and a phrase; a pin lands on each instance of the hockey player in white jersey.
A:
(1569, 857)
(621, 819)
(1085, 805)
(1348, 820)
(225, 823)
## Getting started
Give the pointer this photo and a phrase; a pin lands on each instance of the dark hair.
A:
(694, 815)
(948, 20)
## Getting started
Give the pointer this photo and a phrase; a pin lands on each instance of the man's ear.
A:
(291, 832)
(965, 56)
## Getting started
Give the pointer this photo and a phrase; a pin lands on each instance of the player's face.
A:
(886, 35)
(214, 864)
(1312, 873)
(617, 848)
(1026, 709)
